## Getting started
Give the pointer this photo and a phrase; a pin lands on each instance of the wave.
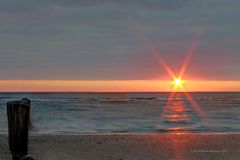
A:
(219, 99)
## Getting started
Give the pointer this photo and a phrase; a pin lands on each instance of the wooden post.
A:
(18, 113)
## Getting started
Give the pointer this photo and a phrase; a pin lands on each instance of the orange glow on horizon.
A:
(114, 86)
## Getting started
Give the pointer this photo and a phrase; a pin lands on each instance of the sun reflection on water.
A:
(175, 117)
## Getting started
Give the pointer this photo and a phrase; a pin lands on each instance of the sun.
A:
(178, 82)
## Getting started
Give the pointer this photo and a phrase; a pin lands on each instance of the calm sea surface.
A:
(72, 113)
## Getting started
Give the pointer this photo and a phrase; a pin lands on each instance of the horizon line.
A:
(90, 92)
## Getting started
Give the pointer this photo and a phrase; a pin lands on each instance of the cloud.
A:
(72, 39)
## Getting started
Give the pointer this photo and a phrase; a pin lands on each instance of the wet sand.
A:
(131, 147)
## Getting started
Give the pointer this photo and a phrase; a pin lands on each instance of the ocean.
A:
(80, 113)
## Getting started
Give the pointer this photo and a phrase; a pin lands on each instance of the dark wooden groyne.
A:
(18, 113)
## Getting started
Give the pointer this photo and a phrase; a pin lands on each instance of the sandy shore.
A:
(131, 147)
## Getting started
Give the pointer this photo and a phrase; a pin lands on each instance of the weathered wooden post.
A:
(18, 113)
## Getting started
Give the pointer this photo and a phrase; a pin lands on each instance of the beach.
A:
(130, 147)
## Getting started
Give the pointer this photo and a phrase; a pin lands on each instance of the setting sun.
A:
(178, 83)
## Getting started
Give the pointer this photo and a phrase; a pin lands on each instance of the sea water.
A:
(77, 113)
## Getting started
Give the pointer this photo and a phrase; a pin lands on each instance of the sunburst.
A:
(177, 79)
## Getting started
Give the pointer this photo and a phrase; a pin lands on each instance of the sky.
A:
(105, 41)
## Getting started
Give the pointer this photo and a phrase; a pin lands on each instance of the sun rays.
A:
(178, 85)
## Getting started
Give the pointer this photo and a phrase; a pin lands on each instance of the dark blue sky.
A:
(107, 39)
